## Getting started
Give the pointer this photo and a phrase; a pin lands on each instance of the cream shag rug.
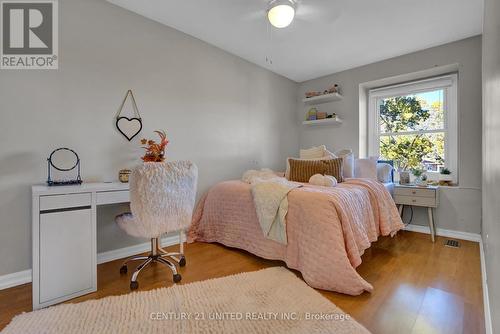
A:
(272, 300)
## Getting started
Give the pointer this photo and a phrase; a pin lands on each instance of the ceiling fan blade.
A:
(321, 14)
(254, 16)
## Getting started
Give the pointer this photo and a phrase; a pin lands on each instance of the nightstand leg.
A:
(431, 224)
(401, 209)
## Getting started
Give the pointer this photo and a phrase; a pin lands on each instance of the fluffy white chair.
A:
(162, 198)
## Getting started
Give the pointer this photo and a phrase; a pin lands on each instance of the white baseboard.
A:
(486, 298)
(23, 277)
(445, 233)
(17, 278)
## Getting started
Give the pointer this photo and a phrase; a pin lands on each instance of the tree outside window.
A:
(412, 130)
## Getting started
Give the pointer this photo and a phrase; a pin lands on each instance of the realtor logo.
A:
(29, 38)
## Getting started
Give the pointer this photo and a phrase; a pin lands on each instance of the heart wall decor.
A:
(129, 127)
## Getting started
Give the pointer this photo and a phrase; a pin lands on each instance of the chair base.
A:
(159, 255)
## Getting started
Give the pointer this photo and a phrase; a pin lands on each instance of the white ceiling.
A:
(326, 36)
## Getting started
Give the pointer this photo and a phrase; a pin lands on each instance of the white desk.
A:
(64, 238)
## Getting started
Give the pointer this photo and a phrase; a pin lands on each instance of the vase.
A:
(421, 181)
(123, 175)
(404, 177)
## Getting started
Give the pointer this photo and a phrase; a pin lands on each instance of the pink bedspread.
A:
(328, 229)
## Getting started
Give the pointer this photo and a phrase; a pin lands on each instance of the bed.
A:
(328, 228)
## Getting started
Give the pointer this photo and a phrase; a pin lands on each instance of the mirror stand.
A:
(51, 164)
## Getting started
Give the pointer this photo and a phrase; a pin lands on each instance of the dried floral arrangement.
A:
(155, 152)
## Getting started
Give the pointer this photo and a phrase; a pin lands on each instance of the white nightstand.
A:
(428, 197)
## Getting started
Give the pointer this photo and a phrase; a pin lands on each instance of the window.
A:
(415, 124)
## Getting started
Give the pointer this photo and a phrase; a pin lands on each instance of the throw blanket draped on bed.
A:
(328, 228)
(271, 204)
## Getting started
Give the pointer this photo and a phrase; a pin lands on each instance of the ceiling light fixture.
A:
(281, 12)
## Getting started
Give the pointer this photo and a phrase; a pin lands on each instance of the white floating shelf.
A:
(326, 121)
(322, 98)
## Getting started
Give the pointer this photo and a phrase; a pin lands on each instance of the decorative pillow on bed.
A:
(384, 172)
(348, 161)
(323, 180)
(329, 155)
(325, 156)
(366, 168)
(302, 170)
(314, 152)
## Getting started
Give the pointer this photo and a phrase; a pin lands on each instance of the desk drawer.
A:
(418, 192)
(113, 197)
(54, 202)
(414, 200)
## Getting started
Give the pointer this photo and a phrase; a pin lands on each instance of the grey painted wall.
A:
(224, 113)
(491, 154)
(460, 208)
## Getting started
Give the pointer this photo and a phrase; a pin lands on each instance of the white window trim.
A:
(450, 84)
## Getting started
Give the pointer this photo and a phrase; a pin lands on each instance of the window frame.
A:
(448, 83)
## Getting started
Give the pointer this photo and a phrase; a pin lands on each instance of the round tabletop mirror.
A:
(64, 159)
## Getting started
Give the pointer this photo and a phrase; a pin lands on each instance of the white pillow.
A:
(347, 162)
(314, 152)
(330, 155)
(366, 168)
(384, 172)
(264, 174)
(323, 180)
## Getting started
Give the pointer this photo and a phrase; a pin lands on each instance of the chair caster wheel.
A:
(123, 269)
(134, 285)
(177, 278)
(182, 261)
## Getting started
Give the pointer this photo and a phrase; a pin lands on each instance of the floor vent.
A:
(452, 243)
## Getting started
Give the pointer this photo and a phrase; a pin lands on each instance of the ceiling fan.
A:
(281, 13)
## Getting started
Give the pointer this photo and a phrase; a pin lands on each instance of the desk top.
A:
(42, 189)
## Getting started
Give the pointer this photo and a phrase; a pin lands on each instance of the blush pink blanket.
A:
(328, 229)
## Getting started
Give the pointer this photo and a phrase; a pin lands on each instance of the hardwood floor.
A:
(419, 287)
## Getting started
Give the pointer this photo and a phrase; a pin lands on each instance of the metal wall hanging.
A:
(129, 127)
(67, 162)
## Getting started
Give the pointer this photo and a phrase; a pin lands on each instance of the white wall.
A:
(220, 111)
(491, 155)
(460, 208)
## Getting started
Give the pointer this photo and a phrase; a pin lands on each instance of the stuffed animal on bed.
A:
(323, 180)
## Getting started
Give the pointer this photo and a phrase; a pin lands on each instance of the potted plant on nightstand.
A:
(420, 177)
(445, 177)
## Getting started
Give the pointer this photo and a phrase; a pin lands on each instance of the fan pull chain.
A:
(269, 58)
